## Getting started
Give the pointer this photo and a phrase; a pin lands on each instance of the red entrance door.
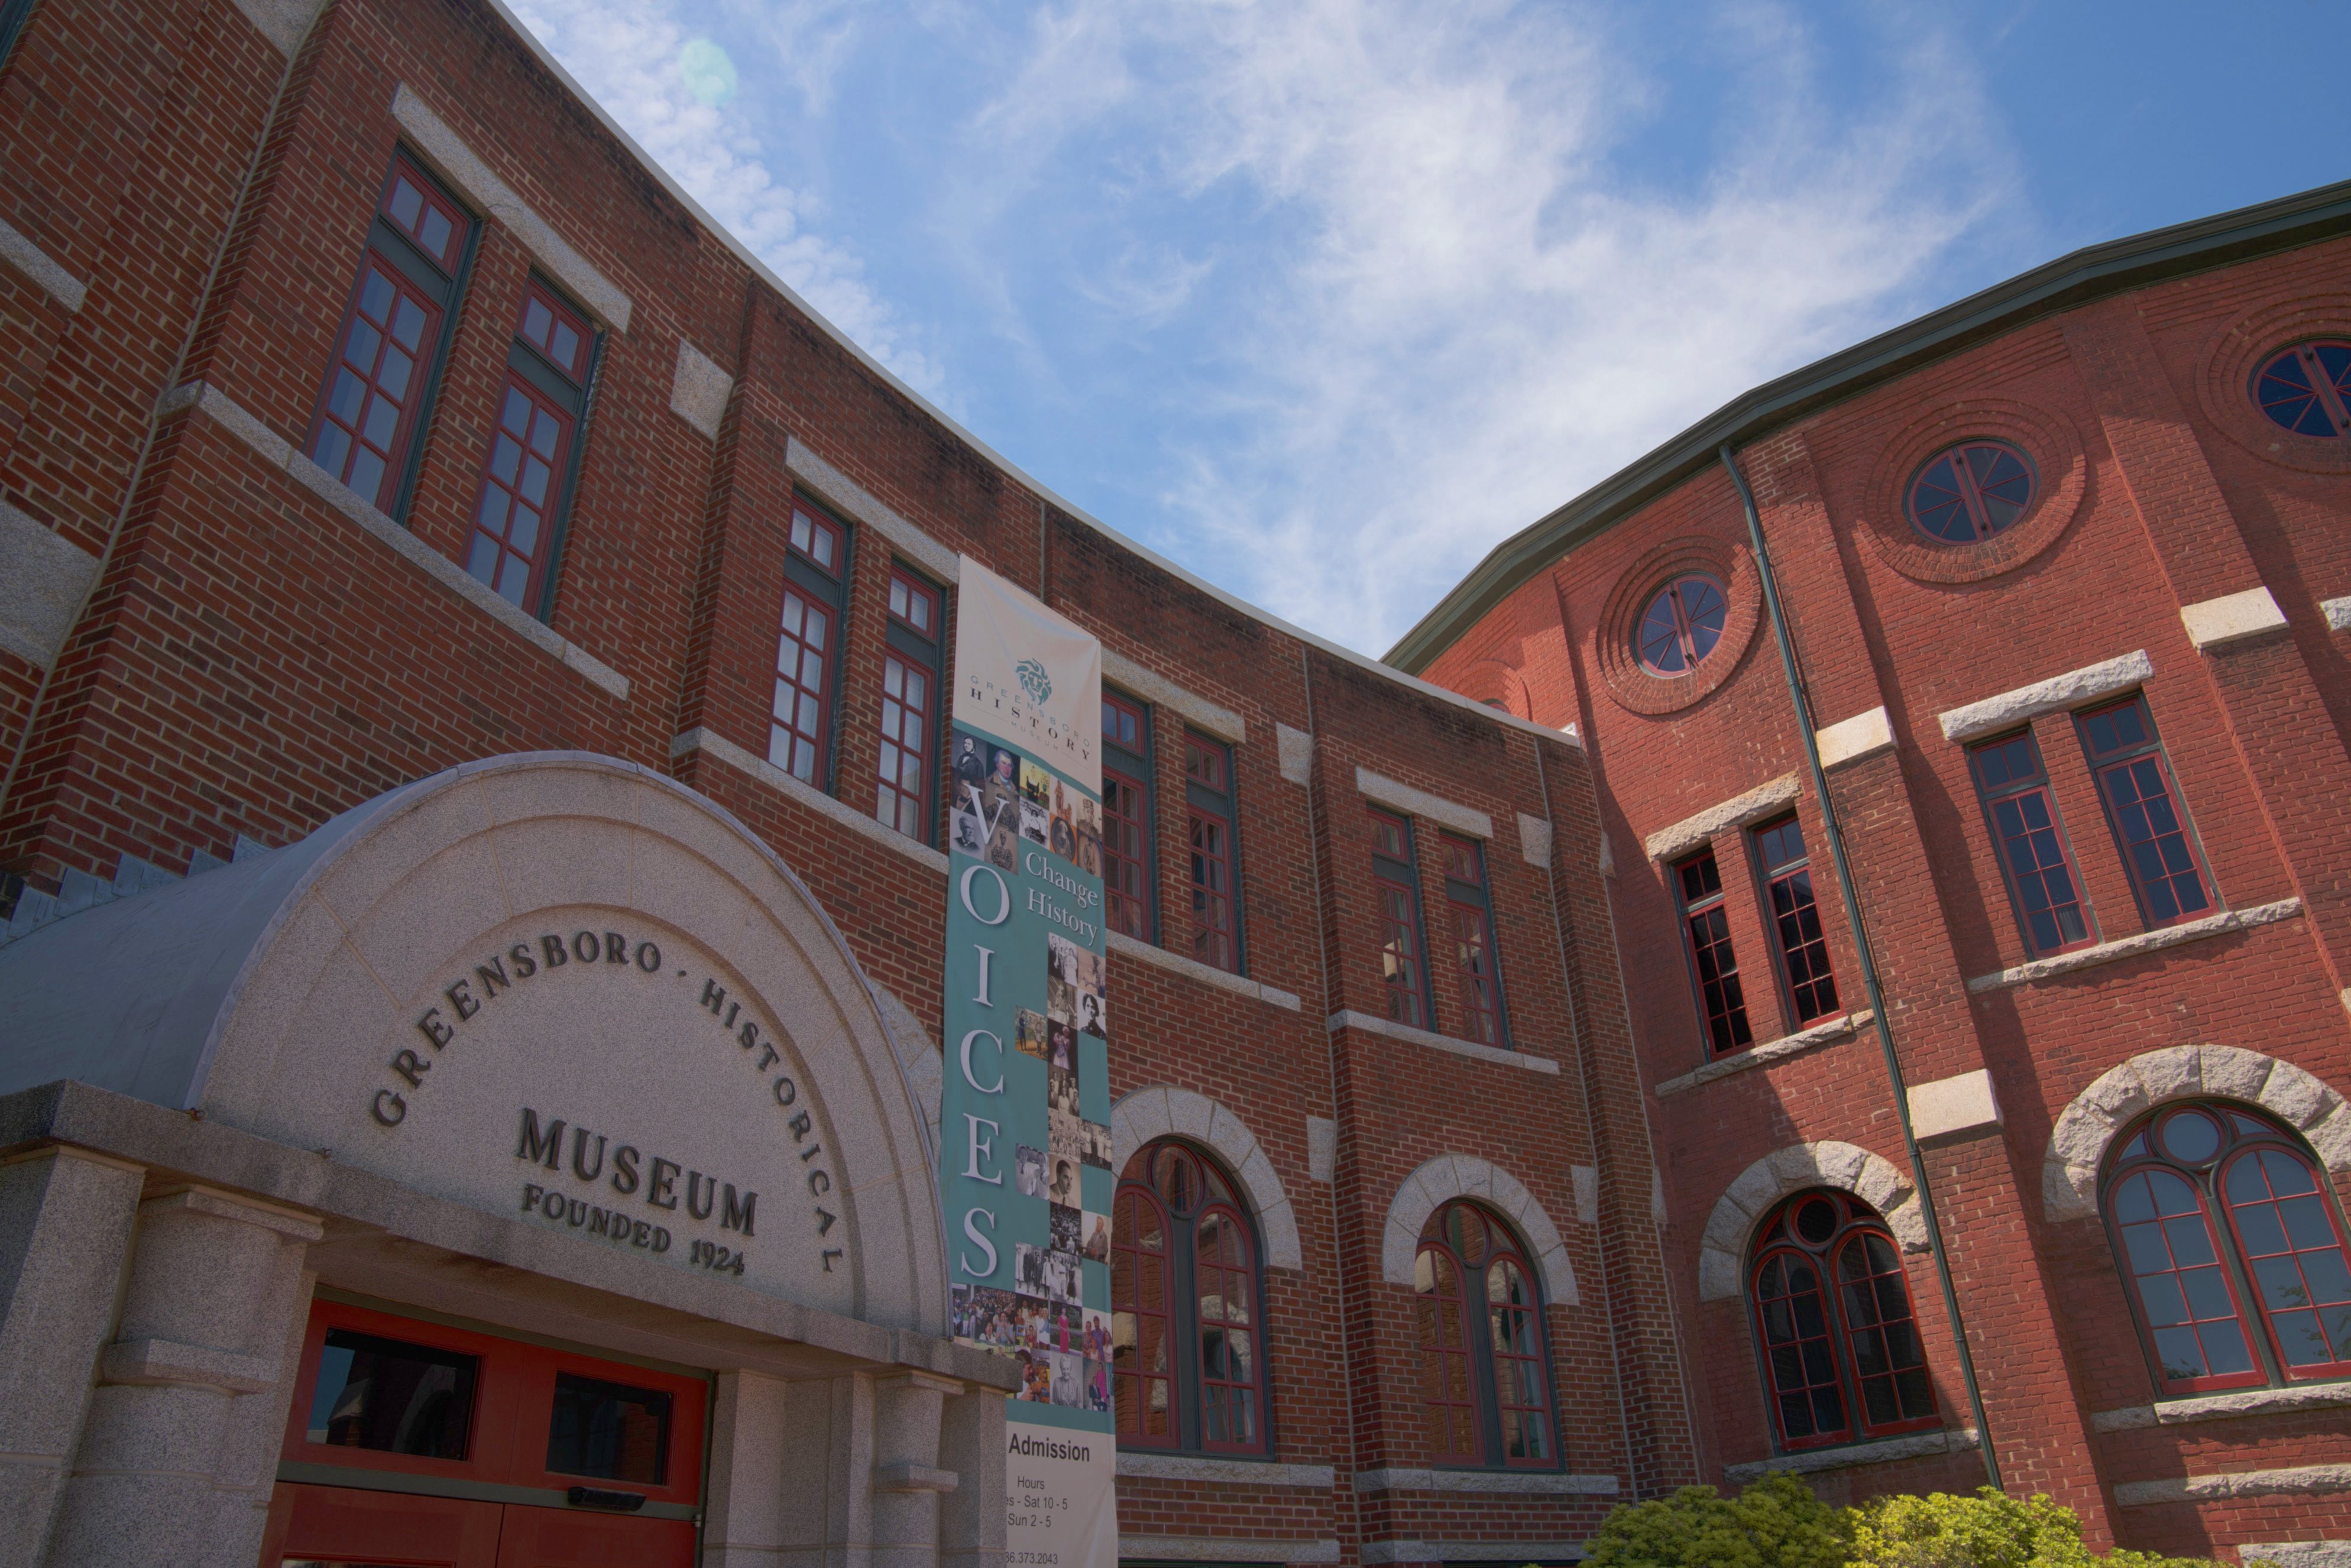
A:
(414, 1444)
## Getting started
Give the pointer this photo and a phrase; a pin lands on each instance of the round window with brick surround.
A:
(2307, 389)
(1970, 492)
(1682, 624)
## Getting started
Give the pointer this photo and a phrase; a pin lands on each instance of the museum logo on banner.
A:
(1024, 1171)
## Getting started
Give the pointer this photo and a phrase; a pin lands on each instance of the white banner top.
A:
(1027, 676)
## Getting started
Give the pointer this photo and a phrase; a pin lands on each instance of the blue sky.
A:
(1323, 298)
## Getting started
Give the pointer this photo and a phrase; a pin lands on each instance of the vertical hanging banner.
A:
(1024, 1165)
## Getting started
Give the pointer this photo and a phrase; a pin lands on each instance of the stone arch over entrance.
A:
(2078, 1142)
(1847, 1167)
(1448, 1176)
(1158, 1111)
(427, 985)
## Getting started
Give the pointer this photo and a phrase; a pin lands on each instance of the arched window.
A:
(1485, 1377)
(1187, 1346)
(2234, 1248)
(1970, 492)
(2307, 387)
(1841, 1352)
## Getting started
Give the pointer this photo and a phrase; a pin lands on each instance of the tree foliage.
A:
(1778, 1523)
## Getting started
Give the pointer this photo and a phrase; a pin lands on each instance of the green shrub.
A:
(1778, 1523)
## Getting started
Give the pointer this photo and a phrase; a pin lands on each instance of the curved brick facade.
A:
(207, 643)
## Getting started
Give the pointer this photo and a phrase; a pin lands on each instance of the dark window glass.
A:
(1187, 1324)
(418, 210)
(392, 1396)
(1721, 1001)
(807, 645)
(910, 707)
(1796, 920)
(1127, 866)
(1208, 810)
(1681, 625)
(521, 484)
(2151, 828)
(2030, 841)
(609, 1431)
(376, 382)
(1842, 1355)
(1395, 894)
(1469, 902)
(1970, 492)
(556, 330)
(2307, 387)
(1484, 1380)
(2233, 1249)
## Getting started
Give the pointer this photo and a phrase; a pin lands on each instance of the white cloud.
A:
(1464, 311)
(626, 54)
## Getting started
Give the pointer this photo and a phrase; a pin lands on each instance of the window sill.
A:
(280, 454)
(1192, 968)
(1529, 1483)
(2294, 1397)
(724, 751)
(1469, 1048)
(1770, 1052)
(1135, 1463)
(1884, 1450)
(2218, 924)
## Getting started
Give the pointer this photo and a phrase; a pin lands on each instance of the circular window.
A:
(1682, 624)
(2307, 387)
(1970, 492)
(2190, 1137)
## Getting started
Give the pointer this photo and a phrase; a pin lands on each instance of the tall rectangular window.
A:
(814, 571)
(2030, 841)
(2143, 807)
(1209, 819)
(394, 330)
(910, 707)
(1470, 905)
(1796, 920)
(1721, 1001)
(1126, 836)
(528, 474)
(1396, 890)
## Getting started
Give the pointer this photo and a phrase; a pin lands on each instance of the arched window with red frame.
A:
(1834, 1324)
(2232, 1249)
(1188, 1325)
(1485, 1358)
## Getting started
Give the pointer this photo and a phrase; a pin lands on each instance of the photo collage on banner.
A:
(1024, 1159)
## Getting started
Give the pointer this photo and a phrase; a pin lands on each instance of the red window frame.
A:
(1714, 965)
(1397, 900)
(2239, 1201)
(1215, 933)
(1804, 947)
(559, 333)
(2150, 823)
(1448, 1396)
(513, 1401)
(915, 603)
(803, 706)
(2030, 843)
(818, 539)
(1681, 625)
(1521, 1391)
(1224, 1273)
(909, 703)
(416, 207)
(1473, 958)
(2306, 389)
(1862, 1331)
(1126, 819)
(522, 488)
(1969, 492)
(383, 353)
(1136, 1382)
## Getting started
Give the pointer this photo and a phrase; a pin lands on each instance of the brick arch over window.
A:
(1491, 682)
(1158, 1111)
(1873, 1179)
(1449, 1176)
(2078, 1142)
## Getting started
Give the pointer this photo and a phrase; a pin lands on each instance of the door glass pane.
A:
(392, 1396)
(609, 1430)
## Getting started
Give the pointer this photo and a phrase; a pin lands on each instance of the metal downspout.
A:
(1878, 1015)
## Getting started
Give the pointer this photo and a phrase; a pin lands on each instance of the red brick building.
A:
(421, 523)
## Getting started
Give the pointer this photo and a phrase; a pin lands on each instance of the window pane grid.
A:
(419, 211)
(1142, 1354)
(1722, 1002)
(1448, 1401)
(2149, 824)
(1796, 921)
(2294, 1260)
(550, 327)
(1225, 1279)
(2184, 1293)
(1212, 889)
(796, 735)
(1799, 1351)
(1473, 957)
(1514, 1319)
(520, 481)
(2032, 851)
(1889, 1364)
(1125, 856)
(1399, 950)
(376, 382)
(906, 724)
